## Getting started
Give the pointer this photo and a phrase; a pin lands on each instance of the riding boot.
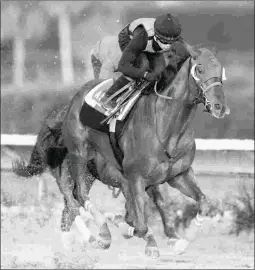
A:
(119, 83)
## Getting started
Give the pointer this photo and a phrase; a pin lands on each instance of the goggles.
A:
(165, 40)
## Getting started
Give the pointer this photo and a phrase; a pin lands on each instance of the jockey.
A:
(138, 40)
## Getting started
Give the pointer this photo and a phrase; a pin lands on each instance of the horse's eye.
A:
(199, 70)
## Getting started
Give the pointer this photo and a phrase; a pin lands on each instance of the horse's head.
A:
(209, 76)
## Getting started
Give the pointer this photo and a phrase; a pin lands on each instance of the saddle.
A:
(125, 97)
(95, 116)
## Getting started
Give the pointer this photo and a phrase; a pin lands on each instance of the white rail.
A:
(201, 144)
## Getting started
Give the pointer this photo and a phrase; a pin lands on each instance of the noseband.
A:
(205, 86)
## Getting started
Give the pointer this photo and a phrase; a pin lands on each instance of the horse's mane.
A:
(178, 59)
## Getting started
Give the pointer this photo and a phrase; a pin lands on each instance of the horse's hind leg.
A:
(157, 195)
(80, 173)
(72, 209)
(186, 184)
(66, 185)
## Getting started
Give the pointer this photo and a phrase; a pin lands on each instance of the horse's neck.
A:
(173, 116)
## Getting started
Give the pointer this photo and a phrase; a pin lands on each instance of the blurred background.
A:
(44, 59)
(45, 47)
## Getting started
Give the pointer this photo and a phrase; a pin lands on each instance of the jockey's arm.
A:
(131, 52)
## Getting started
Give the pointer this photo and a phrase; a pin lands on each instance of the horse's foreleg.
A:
(130, 215)
(126, 224)
(157, 195)
(187, 185)
(113, 176)
(137, 192)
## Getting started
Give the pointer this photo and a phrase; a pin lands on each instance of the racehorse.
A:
(104, 58)
(157, 143)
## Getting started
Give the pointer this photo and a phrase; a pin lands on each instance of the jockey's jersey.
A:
(148, 25)
(135, 40)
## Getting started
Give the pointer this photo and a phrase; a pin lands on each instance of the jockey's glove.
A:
(150, 76)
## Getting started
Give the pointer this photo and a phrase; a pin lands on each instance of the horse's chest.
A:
(172, 167)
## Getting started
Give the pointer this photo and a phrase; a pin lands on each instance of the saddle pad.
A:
(90, 117)
(94, 96)
(92, 113)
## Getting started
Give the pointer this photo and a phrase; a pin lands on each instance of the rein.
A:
(204, 87)
(157, 93)
(200, 98)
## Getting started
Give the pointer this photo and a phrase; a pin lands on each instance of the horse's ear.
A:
(198, 46)
(193, 51)
(214, 50)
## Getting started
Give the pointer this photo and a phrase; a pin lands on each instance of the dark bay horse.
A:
(158, 146)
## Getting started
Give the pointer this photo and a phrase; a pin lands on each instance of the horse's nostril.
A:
(217, 106)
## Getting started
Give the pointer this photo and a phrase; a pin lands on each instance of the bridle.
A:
(206, 85)
(203, 88)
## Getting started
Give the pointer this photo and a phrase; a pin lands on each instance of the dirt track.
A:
(34, 240)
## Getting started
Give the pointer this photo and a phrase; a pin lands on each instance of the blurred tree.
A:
(63, 11)
(21, 20)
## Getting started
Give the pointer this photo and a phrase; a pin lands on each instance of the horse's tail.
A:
(56, 150)
(49, 151)
(36, 165)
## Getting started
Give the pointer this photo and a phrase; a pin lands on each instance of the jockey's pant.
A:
(119, 83)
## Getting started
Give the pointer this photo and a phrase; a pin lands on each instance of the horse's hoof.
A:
(180, 246)
(152, 252)
(103, 241)
(127, 236)
(172, 241)
(98, 244)
(117, 219)
(105, 232)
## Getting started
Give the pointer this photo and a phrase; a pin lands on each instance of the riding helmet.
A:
(167, 28)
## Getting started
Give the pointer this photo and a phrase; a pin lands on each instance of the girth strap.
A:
(114, 142)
